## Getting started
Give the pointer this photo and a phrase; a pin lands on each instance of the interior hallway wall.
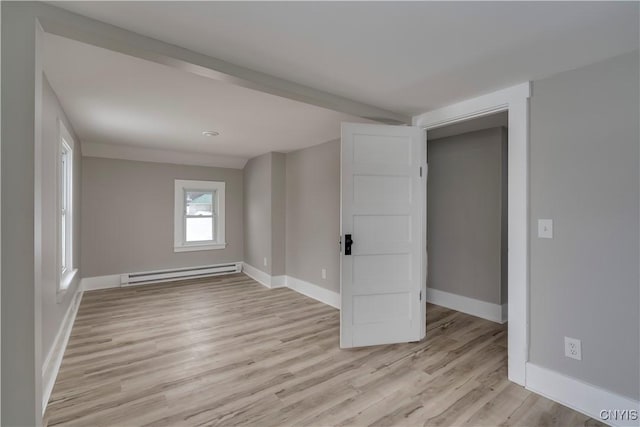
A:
(313, 214)
(466, 196)
(257, 212)
(278, 213)
(264, 213)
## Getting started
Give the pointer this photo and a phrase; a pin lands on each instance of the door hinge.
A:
(421, 171)
(420, 297)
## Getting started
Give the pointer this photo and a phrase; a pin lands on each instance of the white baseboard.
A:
(279, 281)
(100, 282)
(583, 397)
(52, 362)
(486, 310)
(316, 292)
(305, 288)
(257, 275)
(264, 278)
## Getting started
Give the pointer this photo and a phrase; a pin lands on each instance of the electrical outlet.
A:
(265, 261)
(324, 273)
(573, 348)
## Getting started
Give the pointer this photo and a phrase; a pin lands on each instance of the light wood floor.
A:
(227, 351)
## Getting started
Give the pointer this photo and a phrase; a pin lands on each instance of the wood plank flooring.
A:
(227, 351)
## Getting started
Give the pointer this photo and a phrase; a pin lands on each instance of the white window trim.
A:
(66, 277)
(179, 243)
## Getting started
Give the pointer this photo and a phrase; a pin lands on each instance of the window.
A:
(199, 215)
(66, 268)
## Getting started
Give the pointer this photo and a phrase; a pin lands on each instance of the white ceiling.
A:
(116, 99)
(407, 57)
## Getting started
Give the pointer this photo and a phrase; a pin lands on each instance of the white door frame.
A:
(515, 100)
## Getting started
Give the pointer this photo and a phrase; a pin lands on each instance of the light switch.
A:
(545, 228)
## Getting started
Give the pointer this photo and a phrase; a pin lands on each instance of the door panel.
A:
(376, 190)
(383, 201)
(373, 229)
(381, 307)
(374, 149)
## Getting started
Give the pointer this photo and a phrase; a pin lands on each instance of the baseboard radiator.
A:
(158, 276)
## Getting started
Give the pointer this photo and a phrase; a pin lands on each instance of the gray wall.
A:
(264, 213)
(464, 214)
(584, 176)
(257, 212)
(21, 299)
(313, 214)
(278, 214)
(53, 311)
(127, 216)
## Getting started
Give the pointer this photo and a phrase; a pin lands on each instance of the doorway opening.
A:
(515, 100)
(467, 216)
(467, 230)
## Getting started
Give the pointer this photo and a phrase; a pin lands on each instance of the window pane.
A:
(199, 229)
(63, 181)
(200, 202)
(64, 187)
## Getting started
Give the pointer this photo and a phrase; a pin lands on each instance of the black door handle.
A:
(347, 244)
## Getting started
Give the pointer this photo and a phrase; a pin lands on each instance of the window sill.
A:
(65, 282)
(205, 247)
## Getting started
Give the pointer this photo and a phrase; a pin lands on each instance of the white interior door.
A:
(383, 273)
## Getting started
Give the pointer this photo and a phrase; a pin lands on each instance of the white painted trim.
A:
(195, 248)
(217, 188)
(578, 395)
(279, 281)
(303, 287)
(100, 282)
(472, 306)
(316, 292)
(140, 154)
(263, 278)
(51, 364)
(473, 107)
(67, 280)
(257, 274)
(515, 100)
(66, 145)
